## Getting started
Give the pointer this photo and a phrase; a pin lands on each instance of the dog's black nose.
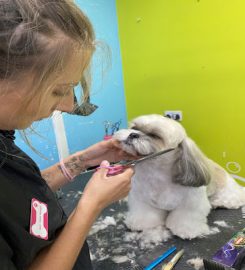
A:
(133, 136)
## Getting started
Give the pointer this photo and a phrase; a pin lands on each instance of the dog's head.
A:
(149, 134)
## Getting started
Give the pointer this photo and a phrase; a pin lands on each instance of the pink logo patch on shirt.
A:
(39, 219)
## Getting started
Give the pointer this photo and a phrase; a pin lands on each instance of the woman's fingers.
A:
(103, 190)
(103, 170)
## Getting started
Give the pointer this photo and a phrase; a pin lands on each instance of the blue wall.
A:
(107, 93)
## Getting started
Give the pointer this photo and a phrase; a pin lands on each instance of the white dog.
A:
(177, 189)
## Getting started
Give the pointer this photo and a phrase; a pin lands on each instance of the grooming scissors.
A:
(106, 126)
(118, 168)
(115, 126)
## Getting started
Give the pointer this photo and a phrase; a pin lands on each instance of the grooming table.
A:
(111, 251)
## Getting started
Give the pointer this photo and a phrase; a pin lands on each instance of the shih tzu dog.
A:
(178, 189)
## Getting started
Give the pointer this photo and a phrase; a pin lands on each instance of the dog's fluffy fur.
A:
(178, 189)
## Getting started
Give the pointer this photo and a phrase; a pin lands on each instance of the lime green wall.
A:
(188, 55)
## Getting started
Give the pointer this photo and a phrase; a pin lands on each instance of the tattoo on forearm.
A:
(81, 158)
(75, 165)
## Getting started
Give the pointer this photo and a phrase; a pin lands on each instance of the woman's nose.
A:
(66, 104)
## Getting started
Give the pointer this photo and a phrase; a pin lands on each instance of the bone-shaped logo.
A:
(39, 222)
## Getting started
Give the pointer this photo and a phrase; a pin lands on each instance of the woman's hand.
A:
(105, 150)
(102, 190)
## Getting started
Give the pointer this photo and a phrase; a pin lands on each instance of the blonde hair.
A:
(29, 41)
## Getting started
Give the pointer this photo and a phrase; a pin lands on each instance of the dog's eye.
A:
(154, 136)
(134, 128)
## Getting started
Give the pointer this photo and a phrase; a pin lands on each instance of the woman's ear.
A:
(191, 167)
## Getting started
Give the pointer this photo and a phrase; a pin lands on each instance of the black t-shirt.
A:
(20, 182)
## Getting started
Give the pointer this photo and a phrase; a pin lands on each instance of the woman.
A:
(45, 50)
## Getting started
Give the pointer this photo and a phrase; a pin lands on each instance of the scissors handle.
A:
(107, 137)
(113, 170)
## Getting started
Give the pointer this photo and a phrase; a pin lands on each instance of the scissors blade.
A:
(136, 161)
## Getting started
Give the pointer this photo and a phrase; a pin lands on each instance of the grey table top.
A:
(111, 251)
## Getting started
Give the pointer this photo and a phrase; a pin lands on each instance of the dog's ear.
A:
(191, 167)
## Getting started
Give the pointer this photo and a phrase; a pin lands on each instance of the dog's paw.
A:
(191, 234)
(142, 223)
(231, 201)
(188, 230)
(230, 196)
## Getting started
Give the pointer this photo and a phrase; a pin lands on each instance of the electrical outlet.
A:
(175, 115)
